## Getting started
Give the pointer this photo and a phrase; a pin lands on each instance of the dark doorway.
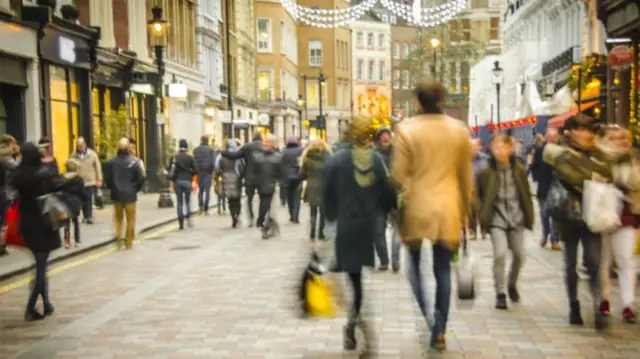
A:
(12, 112)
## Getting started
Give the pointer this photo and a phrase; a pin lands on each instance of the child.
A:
(74, 197)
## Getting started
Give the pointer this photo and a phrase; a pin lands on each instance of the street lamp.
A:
(497, 79)
(158, 37)
(301, 104)
(321, 123)
(434, 45)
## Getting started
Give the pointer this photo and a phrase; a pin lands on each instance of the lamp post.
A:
(497, 79)
(435, 43)
(577, 63)
(158, 36)
(301, 104)
(321, 123)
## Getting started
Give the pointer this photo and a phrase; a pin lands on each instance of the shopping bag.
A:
(601, 206)
(12, 236)
(562, 205)
(316, 293)
(99, 199)
(54, 211)
(465, 273)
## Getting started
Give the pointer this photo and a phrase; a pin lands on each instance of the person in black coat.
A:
(74, 196)
(31, 180)
(291, 162)
(542, 173)
(355, 191)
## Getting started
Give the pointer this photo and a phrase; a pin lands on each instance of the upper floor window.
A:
(396, 79)
(405, 50)
(372, 69)
(382, 41)
(466, 30)
(381, 71)
(405, 79)
(315, 53)
(265, 85)
(370, 43)
(264, 35)
(359, 39)
(396, 50)
(453, 31)
(360, 69)
(494, 33)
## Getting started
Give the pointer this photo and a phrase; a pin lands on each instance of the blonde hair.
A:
(315, 145)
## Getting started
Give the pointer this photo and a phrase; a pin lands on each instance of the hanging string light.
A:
(426, 17)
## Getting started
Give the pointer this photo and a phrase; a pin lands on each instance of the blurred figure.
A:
(91, 172)
(47, 156)
(124, 179)
(74, 198)
(184, 167)
(231, 172)
(355, 191)
(268, 168)
(291, 162)
(312, 164)
(479, 162)
(205, 157)
(221, 199)
(9, 150)
(542, 174)
(431, 166)
(384, 149)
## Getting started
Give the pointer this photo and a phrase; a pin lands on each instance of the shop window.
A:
(265, 83)
(313, 94)
(64, 112)
(137, 124)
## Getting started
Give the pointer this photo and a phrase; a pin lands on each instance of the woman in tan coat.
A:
(431, 167)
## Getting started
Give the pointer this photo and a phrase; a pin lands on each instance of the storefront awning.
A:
(558, 121)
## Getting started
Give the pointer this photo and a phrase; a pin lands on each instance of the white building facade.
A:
(540, 38)
(482, 93)
(371, 64)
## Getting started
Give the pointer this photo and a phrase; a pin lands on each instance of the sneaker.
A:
(439, 342)
(383, 268)
(90, 221)
(629, 315)
(501, 301)
(556, 247)
(543, 243)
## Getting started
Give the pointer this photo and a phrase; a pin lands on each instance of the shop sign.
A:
(620, 58)
(65, 50)
(177, 90)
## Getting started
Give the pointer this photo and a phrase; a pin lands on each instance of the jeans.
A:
(293, 199)
(87, 206)
(548, 227)
(504, 241)
(264, 208)
(204, 191)
(250, 190)
(128, 210)
(572, 235)
(380, 241)
(40, 285)
(620, 245)
(234, 209)
(442, 272)
(76, 228)
(315, 211)
(183, 194)
(283, 194)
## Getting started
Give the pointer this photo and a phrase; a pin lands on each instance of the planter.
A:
(70, 13)
(50, 3)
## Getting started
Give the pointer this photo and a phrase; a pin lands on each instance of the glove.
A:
(330, 230)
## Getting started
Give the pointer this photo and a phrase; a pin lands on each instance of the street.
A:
(214, 292)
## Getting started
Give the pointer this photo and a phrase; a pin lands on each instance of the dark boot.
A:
(513, 294)
(574, 314)
(49, 309)
(501, 301)
(181, 223)
(32, 315)
(349, 338)
(3, 250)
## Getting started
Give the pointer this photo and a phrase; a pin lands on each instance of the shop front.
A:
(19, 95)
(66, 65)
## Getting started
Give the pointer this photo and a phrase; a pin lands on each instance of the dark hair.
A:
(204, 139)
(430, 94)
(257, 136)
(44, 141)
(132, 140)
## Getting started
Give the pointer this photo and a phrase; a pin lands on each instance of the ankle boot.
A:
(574, 314)
(349, 336)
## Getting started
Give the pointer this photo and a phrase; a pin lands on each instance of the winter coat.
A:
(313, 162)
(355, 189)
(185, 166)
(291, 161)
(73, 194)
(231, 180)
(246, 152)
(205, 157)
(124, 178)
(90, 169)
(541, 172)
(268, 169)
(32, 179)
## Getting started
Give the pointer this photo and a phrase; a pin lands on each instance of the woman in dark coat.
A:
(355, 190)
(231, 172)
(33, 179)
(312, 164)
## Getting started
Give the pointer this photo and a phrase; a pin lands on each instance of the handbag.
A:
(316, 292)
(54, 211)
(465, 273)
(562, 205)
(12, 236)
(99, 199)
(601, 206)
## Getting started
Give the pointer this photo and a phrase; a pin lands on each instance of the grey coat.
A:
(231, 181)
(313, 164)
(205, 158)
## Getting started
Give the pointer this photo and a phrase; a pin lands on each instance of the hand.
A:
(99, 183)
(595, 176)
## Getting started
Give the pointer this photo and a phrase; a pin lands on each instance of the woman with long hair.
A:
(312, 162)
(31, 180)
(615, 143)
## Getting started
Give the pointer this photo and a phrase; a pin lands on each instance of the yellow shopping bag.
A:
(319, 298)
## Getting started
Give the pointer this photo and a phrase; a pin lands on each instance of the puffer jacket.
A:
(268, 169)
(312, 166)
(291, 161)
(231, 179)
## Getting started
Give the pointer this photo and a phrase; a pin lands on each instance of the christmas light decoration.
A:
(426, 17)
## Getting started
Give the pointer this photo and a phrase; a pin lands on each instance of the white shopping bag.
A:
(601, 206)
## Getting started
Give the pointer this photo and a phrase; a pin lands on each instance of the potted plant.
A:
(107, 141)
(70, 13)
(50, 3)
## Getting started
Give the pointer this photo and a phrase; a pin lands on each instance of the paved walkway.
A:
(98, 234)
(213, 292)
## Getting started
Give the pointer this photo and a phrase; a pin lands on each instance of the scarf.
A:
(363, 162)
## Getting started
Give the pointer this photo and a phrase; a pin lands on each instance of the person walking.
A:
(355, 190)
(91, 172)
(231, 185)
(291, 162)
(74, 198)
(47, 155)
(542, 174)
(181, 171)
(435, 194)
(9, 150)
(269, 169)
(33, 179)
(384, 149)
(251, 179)
(124, 179)
(506, 209)
(312, 163)
(205, 157)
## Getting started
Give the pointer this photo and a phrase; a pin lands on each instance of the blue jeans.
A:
(87, 206)
(40, 285)
(183, 195)
(442, 272)
(548, 227)
(204, 191)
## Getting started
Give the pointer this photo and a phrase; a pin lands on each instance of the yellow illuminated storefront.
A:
(64, 104)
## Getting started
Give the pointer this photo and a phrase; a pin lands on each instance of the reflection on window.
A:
(264, 85)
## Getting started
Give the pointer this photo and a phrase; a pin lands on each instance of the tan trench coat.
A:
(431, 165)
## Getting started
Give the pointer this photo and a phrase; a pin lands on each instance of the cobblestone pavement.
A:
(213, 292)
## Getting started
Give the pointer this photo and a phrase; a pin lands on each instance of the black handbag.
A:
(561, 204)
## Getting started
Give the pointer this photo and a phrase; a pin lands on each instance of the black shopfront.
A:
(13, 84)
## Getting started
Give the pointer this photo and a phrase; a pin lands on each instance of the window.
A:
(413, 48)
(382, 42)
(264, 35)
(405, 50)
(181, 47)
(453, 31)
(396, 79)
(381, 71)
(313, 94)
(393, 20)
(265, 84)
(372, 69)
(315, 53)
(396, 50)
(359, 39)
(283, 38)
(385, 18)
(370, 43)
(495, 28)
(360, 69)
(405, 79)
(64, 110)
(466, 30)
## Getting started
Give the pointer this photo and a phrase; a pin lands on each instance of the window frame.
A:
(359, 39)
(371, 41)
(381, 70)
(382, 41)
(269, 40)
(271, 84)
(371, 73)
(311, 48)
